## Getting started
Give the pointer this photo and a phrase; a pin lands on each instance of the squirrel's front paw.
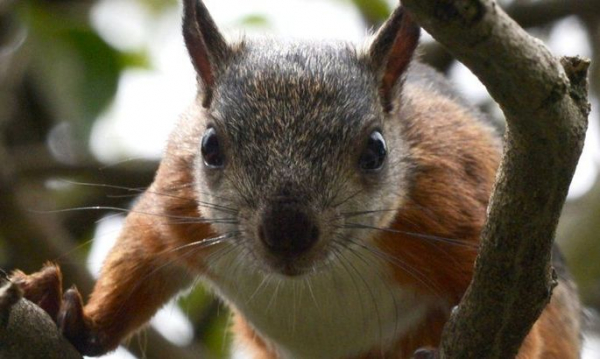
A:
(44, 288)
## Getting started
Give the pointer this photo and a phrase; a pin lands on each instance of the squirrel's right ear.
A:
(207, 47)
(391, 52)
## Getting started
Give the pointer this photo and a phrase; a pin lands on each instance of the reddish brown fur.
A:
(447, 200)
(556, 333)
(246, 336)
(454, 158)
(137, 277)
(42, 287)
(454, 174)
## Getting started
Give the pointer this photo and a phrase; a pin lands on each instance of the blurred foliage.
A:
(70, 74)
(218, 338)
(75, 71)
(210, 319)
(256, 20)
(373, 11)
(158, 6)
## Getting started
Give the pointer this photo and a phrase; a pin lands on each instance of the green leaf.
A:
(138, 59)
(374, 12)
(218, 339)
(195, 302)
(256, 20)
(158, 6)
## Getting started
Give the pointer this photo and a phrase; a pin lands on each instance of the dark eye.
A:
(211, 149)
(373, 155)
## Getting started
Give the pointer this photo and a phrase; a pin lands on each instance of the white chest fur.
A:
(343, 310)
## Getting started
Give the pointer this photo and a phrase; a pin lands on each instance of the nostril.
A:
(288, 230)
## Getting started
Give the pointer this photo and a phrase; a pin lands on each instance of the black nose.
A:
(287, 230)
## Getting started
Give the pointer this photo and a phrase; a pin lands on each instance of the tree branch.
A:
(546, 109)
(527, 14)
(26, 331)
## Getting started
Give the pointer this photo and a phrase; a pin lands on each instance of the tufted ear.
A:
(391, 51)
(207, 47)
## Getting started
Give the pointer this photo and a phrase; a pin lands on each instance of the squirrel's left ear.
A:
(208, 49)
(391, 51)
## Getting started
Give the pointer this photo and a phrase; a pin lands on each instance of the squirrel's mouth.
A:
(289, 268)
(307, 263)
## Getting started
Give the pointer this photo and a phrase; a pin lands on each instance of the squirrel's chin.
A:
(293, 266)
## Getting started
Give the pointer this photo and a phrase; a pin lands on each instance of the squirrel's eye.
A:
(373, 155)
(211, 149)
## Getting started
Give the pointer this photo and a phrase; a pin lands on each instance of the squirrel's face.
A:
(298, 160)
(301, 154)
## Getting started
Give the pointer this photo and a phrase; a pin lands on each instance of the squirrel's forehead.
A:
(297, 83)
(274, 67)
(294, 92)
(285, 110)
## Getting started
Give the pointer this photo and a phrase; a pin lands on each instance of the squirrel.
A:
(332, 195)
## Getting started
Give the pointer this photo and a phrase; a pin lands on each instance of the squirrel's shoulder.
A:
(426, 79)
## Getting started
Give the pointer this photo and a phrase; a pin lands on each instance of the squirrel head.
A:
(301, 146)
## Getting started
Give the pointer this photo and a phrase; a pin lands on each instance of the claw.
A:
(70, 319)
(425, 353)
(75, 326)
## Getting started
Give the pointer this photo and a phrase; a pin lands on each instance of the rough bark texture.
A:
(26, 331)
(546, 108)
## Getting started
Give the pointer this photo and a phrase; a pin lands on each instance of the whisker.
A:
(206, 220)
(312, 294)
(457, 242)
(222, 251)
(242, 194)
(413, 272)
(340, 188)
(144, 190)
(356, 193)
(386, 284)
(370, 291)
(124, 210)
(265, 279)
(192, 248)
(274, 295)
(118, 163)
(206, 242)
(347, 215)
(337, 251)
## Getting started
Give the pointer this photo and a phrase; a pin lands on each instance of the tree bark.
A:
(545, 103)
(26, 331)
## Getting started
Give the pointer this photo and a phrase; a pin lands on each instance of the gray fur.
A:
(294, 118)
(299, 110)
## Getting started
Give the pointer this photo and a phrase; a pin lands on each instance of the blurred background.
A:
(89, 90)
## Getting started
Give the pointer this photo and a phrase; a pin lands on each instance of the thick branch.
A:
(528, 14)
(546, 111)
(26, 331)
